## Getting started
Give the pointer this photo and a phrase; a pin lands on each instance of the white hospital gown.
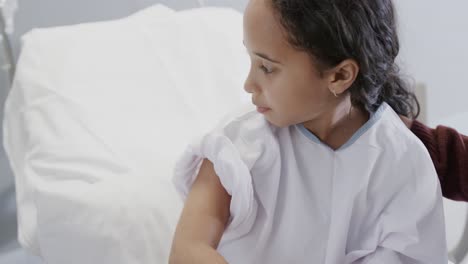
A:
(376, 199)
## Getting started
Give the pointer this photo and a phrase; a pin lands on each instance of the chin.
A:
(278, 123)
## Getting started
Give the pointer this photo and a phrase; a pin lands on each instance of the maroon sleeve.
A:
(449, 152)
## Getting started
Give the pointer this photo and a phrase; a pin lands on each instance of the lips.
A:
(262, 109)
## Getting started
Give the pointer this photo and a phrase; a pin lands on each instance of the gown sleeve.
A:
(233, 158)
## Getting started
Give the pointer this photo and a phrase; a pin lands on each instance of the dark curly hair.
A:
(363, 30)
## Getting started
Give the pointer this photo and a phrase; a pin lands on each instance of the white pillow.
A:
(96, 118)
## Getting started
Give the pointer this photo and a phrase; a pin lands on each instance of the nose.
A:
(250, 86)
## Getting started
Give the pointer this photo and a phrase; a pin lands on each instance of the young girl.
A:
(323, 171)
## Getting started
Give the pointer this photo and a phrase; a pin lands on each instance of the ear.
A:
(343, 76)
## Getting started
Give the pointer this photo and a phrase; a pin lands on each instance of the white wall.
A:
(434, 39)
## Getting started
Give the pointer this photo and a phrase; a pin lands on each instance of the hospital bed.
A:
(96, 119)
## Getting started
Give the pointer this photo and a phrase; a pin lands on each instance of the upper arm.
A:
(206, 211)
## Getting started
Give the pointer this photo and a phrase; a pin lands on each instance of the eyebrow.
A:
(261, 55)
(264, 56)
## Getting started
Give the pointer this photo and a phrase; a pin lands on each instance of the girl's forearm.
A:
(196, 254)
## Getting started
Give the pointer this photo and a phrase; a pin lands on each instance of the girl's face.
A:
(285, 84)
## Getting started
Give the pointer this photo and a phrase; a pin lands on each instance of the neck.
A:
(336, 125)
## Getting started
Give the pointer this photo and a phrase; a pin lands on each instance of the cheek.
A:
(298, 94)
(299, 101)
(312, 90)
(281, 95)
(295, 90)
